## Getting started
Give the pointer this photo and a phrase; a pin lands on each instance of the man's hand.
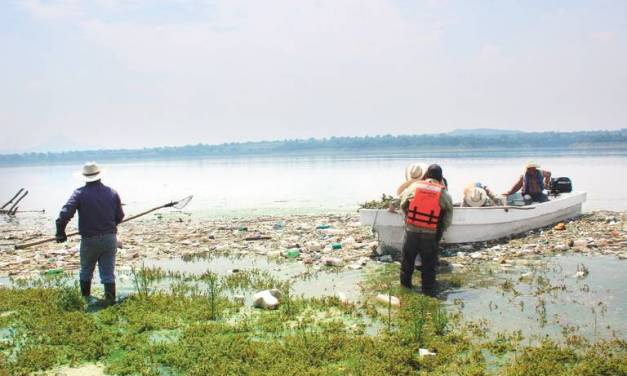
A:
(61, 237)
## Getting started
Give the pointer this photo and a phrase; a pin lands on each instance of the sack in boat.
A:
(515, 199)
(561, 185)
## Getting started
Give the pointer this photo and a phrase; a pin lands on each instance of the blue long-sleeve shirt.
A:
(99, 210)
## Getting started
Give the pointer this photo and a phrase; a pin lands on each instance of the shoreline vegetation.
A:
(427, 144)
(203, 322)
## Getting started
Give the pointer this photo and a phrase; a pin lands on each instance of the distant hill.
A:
(482, 132)
(591, 140)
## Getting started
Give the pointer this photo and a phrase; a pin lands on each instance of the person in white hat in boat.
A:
(99, 213)
(532, 183)
(478, 195)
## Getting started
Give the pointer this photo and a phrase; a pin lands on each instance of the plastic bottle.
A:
(336, 246)
(56, 271)
(293, 252)
(323, 227)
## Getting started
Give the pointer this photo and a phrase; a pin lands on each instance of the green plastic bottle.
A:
(293, 252)
(56, 271)
(336, 246)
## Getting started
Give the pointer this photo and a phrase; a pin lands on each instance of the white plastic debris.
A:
(389, 299)
(425, 352)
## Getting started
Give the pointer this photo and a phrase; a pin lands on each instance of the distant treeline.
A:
(497, 140)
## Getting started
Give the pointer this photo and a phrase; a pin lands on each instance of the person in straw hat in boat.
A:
(532, 183)
(99, 213)
(478, 195)
(428, 212)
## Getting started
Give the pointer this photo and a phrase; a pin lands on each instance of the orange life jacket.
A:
(424, 208)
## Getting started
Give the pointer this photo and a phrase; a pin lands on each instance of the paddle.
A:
(506, 208)
(180, 204)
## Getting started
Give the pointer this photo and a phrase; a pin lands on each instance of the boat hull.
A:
(480, 224)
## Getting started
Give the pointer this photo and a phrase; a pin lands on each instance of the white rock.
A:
(425, 352)
(561, 248)
(581, 274)
(342, 297)
(313, 246)
(332, 261)
(389, 299)
(348, 241)
(265, 299)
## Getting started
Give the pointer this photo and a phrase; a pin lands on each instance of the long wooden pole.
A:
(48, 240)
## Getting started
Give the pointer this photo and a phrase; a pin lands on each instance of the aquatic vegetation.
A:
(383, 203)
(193, 325)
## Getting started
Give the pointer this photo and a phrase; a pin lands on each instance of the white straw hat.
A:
(475, 197)
(531, 164)
(90, 172)
(414, 171)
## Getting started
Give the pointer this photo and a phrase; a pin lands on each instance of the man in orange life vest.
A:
(428, 212)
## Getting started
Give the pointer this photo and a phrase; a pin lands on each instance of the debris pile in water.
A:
(597, 233)
(318, 240)
(329, 240)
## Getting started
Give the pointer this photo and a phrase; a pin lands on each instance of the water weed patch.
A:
(179, 324)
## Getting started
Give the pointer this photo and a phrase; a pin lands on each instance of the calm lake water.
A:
(281, 185)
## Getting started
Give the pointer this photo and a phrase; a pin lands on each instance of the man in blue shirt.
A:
(99, 212)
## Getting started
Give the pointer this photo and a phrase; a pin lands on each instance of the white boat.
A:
(480, 224)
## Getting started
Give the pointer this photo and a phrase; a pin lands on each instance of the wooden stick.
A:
(47, 240)
(11, 200)
(3, 211)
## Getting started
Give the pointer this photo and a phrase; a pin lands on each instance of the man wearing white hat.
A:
(99, 213)
(532, 182)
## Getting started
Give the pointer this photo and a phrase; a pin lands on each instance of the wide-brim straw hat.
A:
(475, 197)
(531, 164)
(414, 171)
(90, 172)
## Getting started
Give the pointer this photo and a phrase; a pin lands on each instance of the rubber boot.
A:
(109, 293)
(85, 288)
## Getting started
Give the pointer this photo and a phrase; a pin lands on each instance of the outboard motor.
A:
(561, 185)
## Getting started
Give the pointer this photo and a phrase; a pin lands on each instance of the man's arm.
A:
(66, 214)
(446, 209)
(516, 187)
(119, 213)
(406, 197)
(492, 196)
(547, 177)
(402, 187)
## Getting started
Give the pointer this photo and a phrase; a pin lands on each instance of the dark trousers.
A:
(538, 197)
(425, 245)
(99, 249)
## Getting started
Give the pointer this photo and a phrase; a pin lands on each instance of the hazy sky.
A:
(140, 73)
